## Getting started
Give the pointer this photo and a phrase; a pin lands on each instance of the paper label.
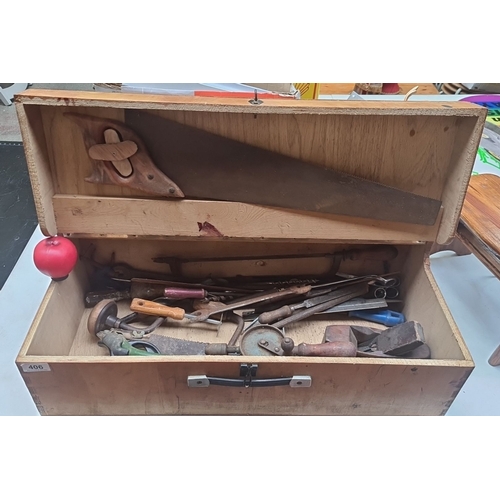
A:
(35, 367)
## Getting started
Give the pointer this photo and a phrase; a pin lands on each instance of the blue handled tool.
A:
(384, 316)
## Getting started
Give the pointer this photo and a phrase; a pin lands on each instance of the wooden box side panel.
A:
(461, 164)
(425, 303)
(160, 388)
(39, 167)
(202, 220)
(56, 323)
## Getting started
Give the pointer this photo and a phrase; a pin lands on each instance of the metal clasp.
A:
(248, 371)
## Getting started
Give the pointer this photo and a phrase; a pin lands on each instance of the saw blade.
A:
(209, 166)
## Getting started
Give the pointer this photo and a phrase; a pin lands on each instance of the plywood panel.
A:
(424, 148)
(80, 215)
(96, 386)
(69, 158)
(39, 168)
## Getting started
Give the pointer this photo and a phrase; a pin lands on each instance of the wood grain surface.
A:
(92, 215)
(481, 210)
(424, 148)
(84, 380)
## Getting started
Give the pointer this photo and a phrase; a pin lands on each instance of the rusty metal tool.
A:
(104, 316)
(146, 291)
(203, 314)
(314, 292)
(397, 340)
(180, 347)
(288, 310)
(401, 339)
(214, 289)
(184, 293)
(153, 308)
(136, 289)
(220, 349)
(339, 341)
(421, 352)
(155, 345)
(262, 340)
(119, 346)
(368, 252)
(343, 295)
(356, 305)
(382, 281)
(220, 168)
(240, 325)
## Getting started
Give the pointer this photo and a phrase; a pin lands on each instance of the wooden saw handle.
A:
(137, 171)
(155, 309)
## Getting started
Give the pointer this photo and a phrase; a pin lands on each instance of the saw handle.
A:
(154, 309)
(375, 252)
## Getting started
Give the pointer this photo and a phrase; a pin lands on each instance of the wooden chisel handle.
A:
(271, 316)
(155, 309)
(375, 252)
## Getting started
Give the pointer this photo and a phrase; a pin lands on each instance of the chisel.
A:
(287, 310)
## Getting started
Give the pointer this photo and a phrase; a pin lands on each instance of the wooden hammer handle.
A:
(155, 309)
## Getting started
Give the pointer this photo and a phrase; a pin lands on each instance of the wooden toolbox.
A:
(423, 148)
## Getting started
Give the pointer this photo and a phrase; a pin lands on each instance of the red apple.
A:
(55, 256)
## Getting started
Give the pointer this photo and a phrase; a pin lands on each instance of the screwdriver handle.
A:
(271, 316)
(384, 317)
(184, 293)
(155, 309)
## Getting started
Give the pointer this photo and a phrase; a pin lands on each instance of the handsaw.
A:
(203, 165)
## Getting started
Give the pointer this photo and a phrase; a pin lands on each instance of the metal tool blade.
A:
(172, 346)
(356, 305)
(209, 166)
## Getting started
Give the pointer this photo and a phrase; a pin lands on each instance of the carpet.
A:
(17, 209)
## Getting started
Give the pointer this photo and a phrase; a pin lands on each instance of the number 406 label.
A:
(35, 367)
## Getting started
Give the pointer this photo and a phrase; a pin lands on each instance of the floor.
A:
(9, 127)
(470, 290)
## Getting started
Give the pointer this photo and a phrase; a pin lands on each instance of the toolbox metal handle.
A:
(205, 381)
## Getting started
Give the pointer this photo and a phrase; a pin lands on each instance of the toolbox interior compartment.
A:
(422, 148)
(61, 325)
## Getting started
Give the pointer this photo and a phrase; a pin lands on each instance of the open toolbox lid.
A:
(420, 148)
